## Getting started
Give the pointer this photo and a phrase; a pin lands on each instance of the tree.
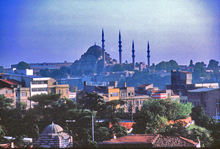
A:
(2, 134)
(215, 134)
(199, 71)
(5, 104)
(161, 66)
(156, 112)
(117, 67)
(173, 65)
(153, 66)
(201, 118)
(213, 64)
(176, 129)
(202, 135)
(23, 65)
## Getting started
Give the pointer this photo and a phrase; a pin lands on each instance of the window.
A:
(24, 94)
(205, 104)
(137, 103)
(114, 94)
(38, 89)
(39, 82)
(66, 91)
(197, 103)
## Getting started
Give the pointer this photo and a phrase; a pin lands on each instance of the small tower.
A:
(133, 56)
(120, 50)
(148, 55)
(103, 48)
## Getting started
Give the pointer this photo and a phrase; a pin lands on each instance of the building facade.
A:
(208, 98)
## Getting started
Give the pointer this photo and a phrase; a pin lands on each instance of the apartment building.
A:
(25, 85)
(208, 98)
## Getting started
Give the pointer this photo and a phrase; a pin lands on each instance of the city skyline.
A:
(58, 31)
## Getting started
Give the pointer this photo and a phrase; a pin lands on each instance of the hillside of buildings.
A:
(161, 100)
(157, 74)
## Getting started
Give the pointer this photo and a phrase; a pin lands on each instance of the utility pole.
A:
(92, 128)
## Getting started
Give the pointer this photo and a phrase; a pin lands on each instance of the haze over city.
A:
(57, 31)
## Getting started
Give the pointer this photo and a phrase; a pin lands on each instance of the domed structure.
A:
(91, 61)
(95, 51)
(53, 136)
(52, 128)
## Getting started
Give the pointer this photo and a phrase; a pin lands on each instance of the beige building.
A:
(8, 93)
(54, 88)
(208, 98)
(127, 94)
(22, 95)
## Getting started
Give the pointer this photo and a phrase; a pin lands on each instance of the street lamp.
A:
(93, 114)
(217, 105)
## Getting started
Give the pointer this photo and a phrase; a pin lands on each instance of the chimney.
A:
(125, 84)
(12, 145)
(114, 136)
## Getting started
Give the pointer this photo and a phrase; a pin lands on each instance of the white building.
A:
(37, 84)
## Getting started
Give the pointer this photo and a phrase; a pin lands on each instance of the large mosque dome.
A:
(94, 50)
(52, 128)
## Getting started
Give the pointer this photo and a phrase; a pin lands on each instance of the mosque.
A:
(95, 59)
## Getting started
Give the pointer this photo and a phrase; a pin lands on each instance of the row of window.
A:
(137, 103)
(39, 82)
(23, 94)
(38, 89)
(196, 94)
(59, 91)
(114, 94)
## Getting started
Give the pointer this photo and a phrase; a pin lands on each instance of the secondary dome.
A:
(52, 128)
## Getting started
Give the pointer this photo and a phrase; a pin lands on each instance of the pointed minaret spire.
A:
(133, 56)
(120, 50)
(103, 48)
(148, 55)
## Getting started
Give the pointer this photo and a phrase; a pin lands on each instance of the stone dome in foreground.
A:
(52, 128)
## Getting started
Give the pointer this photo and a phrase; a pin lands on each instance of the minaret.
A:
(148, 55)
(120, 50)
(133, 56)
(103, 48)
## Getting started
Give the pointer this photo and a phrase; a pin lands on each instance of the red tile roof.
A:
(174, 141)
(137, 138)
(4, 146)
(128, 125)
(144, 85)
(11, 82)
(152, 139)
(184, 121)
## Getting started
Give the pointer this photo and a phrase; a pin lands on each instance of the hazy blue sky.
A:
(62, 30)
